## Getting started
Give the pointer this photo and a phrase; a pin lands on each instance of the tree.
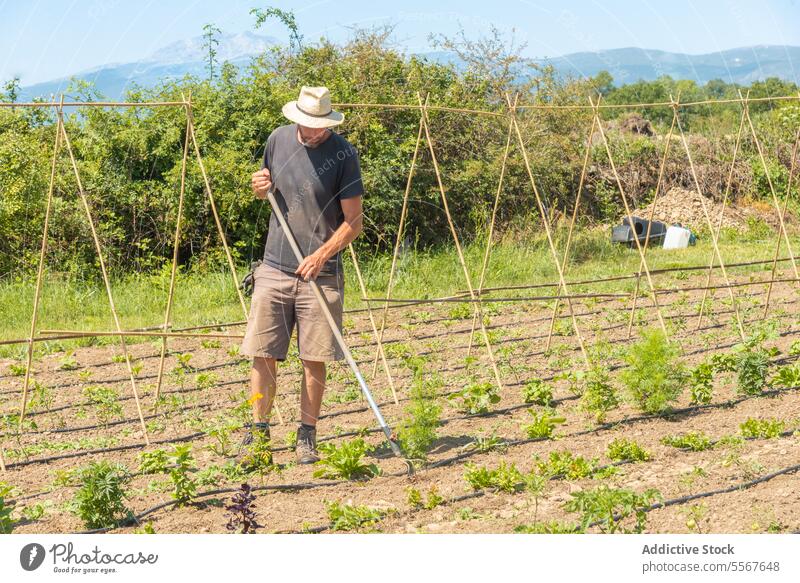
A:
(287, 19)
(210, 43)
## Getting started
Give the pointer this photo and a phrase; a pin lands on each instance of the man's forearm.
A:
(341, 238)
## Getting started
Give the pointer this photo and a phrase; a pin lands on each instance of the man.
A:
(317, 185)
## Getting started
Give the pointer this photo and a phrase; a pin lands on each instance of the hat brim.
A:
(290, 111)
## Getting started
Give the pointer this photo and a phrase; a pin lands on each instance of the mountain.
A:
(170, 62)
(627, 65)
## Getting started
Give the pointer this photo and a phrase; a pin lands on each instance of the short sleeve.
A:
(350, 183)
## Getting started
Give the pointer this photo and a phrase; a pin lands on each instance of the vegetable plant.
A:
(417, 432)
(693, 440)
(349, 517)
(477, 398)
(543, 424)
(598, 395)
(505, 477)
(622, 449)
(345, 461)
(6, 522)
(242, 517)
(609, 507)
(185, 488)
(433, 499)
(538, 392)
(701, 382)
(100, 499)
(563, 463)
(764, 428)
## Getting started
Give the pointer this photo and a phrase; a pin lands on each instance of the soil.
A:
(518, 333)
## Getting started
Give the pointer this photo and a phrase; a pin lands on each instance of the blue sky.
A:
(46, 39)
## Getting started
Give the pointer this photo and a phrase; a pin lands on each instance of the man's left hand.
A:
(311, 266)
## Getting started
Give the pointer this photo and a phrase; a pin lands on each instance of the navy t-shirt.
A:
(309, 185)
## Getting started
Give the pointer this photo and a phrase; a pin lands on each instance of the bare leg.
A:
(311, 391)
(262, 382)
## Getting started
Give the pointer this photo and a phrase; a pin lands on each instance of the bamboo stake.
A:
(399, 238)
(458, 245)
(721, 215)
(145, 333)
(106, 281)
(174, 271)
(490, 234)
(381, 352)
(652, 215)
(40, 271)
(630, 219)
(783, 212)
(565, 259)
(714, 240)
(546, 223)
(775, 201)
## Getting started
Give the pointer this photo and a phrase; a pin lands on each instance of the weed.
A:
(654, 375)
(242, 517)
(477, 398)
(763, 428)
(622, 449)
(563, 463)
(349, 517)
(538, 392)
(100, 500)
(610, 506)
(415, 499)
(543, 424)
(693, 441)
(506, 478)
(345, 461)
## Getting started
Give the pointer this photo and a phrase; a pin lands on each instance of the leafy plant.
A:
(100, 500)
(506, 478)
(654, 375)
(622, 449)
(242, 517)
(787, 376)
(693, 440)
(68, 362)
(105, 401)
(345, 461)
(538, 392)
(598, 395)
(17, 370)
(185, 488)
(433, 499)
(564, 463)
(752, 366)
(763, 428)
(477, 398)
(723, 363)
(349, 517)
(153, 462)
(701, 380)
(609, 507)
(417, 432)
(543, 424)
(6, 522)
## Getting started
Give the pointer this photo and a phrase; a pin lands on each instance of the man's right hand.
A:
(261, 183)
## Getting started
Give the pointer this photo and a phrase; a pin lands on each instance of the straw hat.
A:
(313, 109)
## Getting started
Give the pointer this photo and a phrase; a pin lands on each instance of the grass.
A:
(207, 298)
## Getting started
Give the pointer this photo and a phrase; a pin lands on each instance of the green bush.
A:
(100, 499)
(654, 375)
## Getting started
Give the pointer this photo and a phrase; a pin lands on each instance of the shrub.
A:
(626, 450)
(100, 500)
(609, 507)
(598, 396)
(752, 366)
(538, 392)
(477, 398)
(654, 375)
(543, 424)
(345, 461)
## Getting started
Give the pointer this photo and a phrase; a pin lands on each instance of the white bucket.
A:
(677, 237)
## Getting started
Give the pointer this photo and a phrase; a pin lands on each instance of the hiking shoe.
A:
(306, 447)
(254, 450)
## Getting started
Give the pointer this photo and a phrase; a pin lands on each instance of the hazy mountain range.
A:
(742, 65)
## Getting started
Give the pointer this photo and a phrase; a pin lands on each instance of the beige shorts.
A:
(281, 300)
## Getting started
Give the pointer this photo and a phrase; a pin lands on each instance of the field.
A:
(553, 450)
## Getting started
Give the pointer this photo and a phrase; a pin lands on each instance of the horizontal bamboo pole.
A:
(475, 300)
(95, 104)
(81, 333)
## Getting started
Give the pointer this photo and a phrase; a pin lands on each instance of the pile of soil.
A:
(682, 206)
